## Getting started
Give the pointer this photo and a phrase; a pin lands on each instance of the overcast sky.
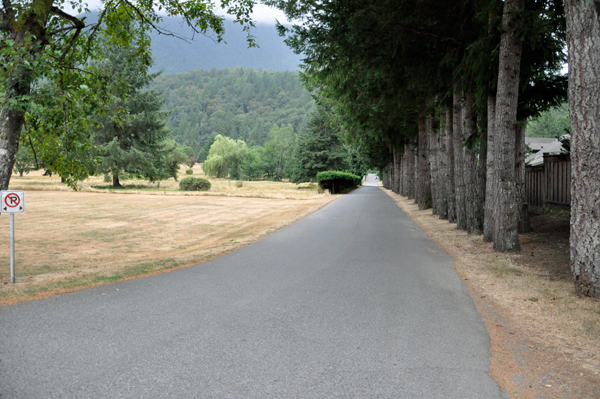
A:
(261, 14)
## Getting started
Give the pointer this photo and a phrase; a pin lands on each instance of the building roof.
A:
(537, 143)
(545, 146)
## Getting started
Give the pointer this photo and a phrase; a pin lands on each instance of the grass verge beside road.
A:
(545, 339)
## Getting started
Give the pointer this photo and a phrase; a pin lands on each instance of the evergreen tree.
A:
(132, 137)
(319, 150)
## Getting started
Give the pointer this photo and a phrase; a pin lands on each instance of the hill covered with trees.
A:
(241, 103)
(172, 55)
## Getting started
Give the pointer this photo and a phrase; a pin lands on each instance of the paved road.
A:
(350, 302)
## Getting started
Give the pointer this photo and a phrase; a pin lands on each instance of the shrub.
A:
(239, 184)
(189, 172)
(194, 184)
(338, 181)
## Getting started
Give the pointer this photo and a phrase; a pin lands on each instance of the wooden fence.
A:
(549, 183)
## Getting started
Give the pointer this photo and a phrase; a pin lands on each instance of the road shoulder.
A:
(531, 356)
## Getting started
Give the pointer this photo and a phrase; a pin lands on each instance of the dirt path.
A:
(545, 339)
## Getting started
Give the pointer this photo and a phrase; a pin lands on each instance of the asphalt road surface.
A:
(351, 302)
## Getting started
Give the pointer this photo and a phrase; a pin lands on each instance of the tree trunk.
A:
(459, 178)
(491, 183)
(396, 169)
(116, 182)
(28, 30)
(450, 182)
(11, 123)
(400, 170)
(423, 193)
(583, 39)
(482, 169)
(506, 237)
(386, 176)
(404, 191)
(432, 140)
(472, 203)
(443, 167)
(410, 171)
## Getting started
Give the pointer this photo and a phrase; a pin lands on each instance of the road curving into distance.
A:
(351, 302)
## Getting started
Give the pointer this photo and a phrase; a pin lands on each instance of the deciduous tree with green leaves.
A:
(225, 158)
(279, 150)
(40, 39)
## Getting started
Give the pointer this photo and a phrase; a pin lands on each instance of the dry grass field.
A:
(66, 240)
(545, 338)
(35, 181)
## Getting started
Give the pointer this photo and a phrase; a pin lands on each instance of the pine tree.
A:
(132, 137)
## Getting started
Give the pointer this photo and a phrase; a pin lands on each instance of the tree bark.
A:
(404, 191)
(116, 182)
(11, 123)
(410, 171)
(31, 23)
(443, 167)
(459, 176)
(472, 202)
(384, 176)
(423, 192)
(434, 165)
(450, 188)
(433, 156)
(583, 39)
(482, 169)
(491, 183)
(396, 168)
(506, 237)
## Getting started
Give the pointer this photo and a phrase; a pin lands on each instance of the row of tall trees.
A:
(439, 93)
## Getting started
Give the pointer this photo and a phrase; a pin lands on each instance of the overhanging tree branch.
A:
(95, 27)
(77, 24)
(6, 15)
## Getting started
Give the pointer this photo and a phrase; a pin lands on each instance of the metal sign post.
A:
(12, 248)
(12, 202)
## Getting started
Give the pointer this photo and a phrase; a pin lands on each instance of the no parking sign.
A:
(13, 201)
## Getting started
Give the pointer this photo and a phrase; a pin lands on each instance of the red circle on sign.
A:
(14, 199)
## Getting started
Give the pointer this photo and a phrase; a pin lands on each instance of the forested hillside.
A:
(172, 55)
(240, 103)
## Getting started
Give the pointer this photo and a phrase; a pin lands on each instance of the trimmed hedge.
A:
(338, 181)
(194, 184)
(189, 172)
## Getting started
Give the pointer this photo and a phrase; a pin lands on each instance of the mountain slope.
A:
(241, 103)
(173, 55)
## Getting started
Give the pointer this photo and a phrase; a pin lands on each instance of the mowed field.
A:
(66, 240)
